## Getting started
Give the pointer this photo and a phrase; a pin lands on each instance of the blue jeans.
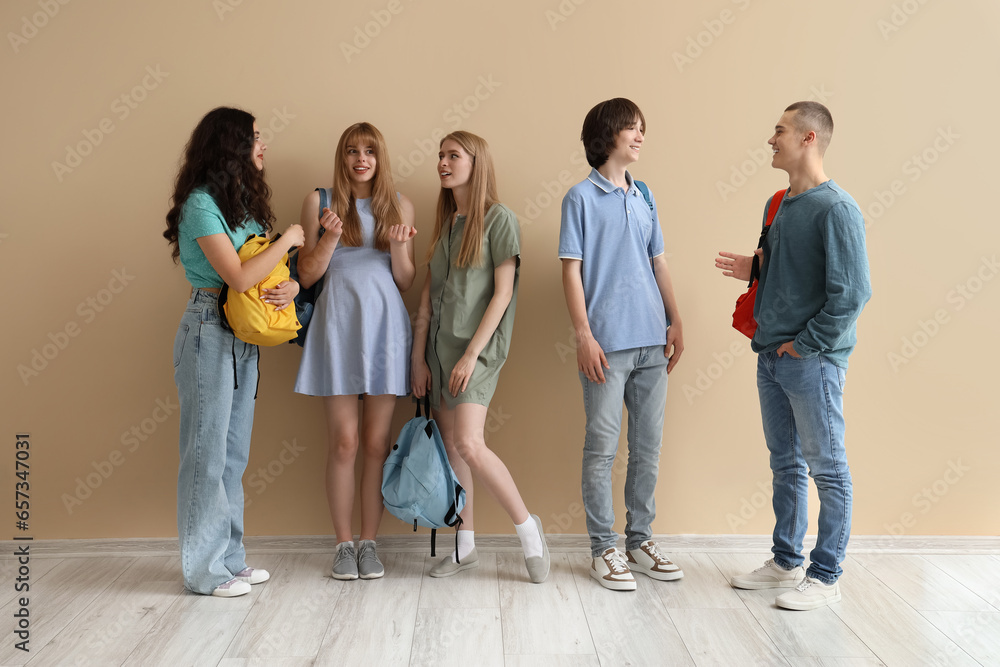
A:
(639, 376)
(216, 420)
(802, 408)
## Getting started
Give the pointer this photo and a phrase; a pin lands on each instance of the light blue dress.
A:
(359, 336)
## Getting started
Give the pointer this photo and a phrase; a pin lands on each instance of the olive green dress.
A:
(459, 297)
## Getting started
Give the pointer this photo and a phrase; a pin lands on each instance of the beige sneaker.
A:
(810, 594)
(611, 571)
(652, 562)
(771, 575)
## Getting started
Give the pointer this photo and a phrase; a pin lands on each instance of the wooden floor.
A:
(897, 609)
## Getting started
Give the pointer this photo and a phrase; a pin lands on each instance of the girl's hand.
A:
(282, 295)
(400, 234)
(420, 377)
(460, 375)
(296, 235)
(332, 224)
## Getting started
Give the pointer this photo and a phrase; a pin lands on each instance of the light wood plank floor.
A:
(130, 609)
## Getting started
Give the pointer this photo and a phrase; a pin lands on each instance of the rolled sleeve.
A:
(505, 237)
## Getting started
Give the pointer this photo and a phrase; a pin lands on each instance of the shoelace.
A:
(806, 583)
(616, 562)
(767, 566)
(656, 554)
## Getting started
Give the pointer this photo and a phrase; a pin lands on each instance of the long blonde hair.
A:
(482, 196)
(385, 205)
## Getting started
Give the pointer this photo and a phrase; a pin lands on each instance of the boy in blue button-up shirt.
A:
(813, 285)
(628, 335)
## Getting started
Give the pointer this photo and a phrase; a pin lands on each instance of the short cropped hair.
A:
(814, 117)
(602, 125)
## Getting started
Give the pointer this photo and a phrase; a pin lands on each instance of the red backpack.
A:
(743, 320)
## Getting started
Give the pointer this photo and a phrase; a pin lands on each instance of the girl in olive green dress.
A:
(462, 336)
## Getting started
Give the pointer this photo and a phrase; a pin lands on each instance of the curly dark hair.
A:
(218, 158)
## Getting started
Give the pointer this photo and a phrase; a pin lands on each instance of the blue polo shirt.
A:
(814, 280)
(616, 235)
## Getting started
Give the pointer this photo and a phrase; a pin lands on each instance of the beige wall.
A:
(82, 251)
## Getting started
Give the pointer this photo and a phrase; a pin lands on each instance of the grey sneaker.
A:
(538, 566)
(345, 565)
(771, 575)
(809, 594)
(369, 566)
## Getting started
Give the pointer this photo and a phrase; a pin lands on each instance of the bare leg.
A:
(342, 427)
(466, 424)
(376, 421)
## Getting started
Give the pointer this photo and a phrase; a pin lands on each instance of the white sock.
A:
(531, 541)
(466, 543)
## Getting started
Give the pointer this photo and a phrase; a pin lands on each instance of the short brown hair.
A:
(814, 117)
(602, 125)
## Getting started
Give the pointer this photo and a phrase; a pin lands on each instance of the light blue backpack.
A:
(418, 484)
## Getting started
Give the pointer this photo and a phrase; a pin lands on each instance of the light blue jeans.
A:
(216, 420)
(802, 409)
(639, 376)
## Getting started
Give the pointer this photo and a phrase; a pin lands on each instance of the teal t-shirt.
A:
(200, 216)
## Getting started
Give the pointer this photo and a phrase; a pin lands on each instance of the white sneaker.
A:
(611, 571)
(771, 575)
(810, 594)
(252, 575)
(652, 562)
(231, 589)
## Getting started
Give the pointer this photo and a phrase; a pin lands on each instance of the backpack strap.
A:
(772, 211)
(645, 193)
(325, 195)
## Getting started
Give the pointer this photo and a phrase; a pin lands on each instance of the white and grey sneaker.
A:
(611, 571)
(771, 575)
(809, 594)
(652, 562)
(369, 566)
(345, 565)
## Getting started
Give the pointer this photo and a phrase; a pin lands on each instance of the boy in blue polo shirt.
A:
(628, 336)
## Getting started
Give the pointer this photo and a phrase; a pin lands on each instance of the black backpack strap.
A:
(434, 540)
(324, 202)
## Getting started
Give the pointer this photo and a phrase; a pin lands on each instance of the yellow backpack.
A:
(250, 319)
